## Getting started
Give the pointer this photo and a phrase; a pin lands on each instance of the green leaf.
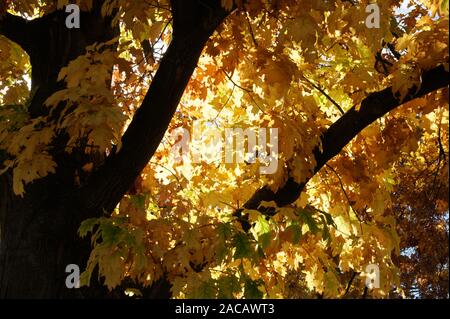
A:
(309, 220)
(110, 233)
(87, 226)
(223, 248)
(262, 226)
(262, 232)
(207, 290)
(325, 232)
(329, 219)
(243, 247)
(296, 232)
(227, 286)
(251, 290)
(138, 200)
(224, 231)
(221, 252)
(265, 239)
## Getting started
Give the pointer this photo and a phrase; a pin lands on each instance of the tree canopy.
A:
(92, 122)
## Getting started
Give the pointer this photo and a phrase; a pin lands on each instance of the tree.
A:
(88, 148)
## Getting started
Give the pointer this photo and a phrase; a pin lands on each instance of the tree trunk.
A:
(38, 241)
(38, 232)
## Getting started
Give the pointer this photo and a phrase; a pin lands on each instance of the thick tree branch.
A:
(194, 23)
(15, 28)
(345, 129)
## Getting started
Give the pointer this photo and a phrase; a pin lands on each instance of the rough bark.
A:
(39, 231)
(194, 22)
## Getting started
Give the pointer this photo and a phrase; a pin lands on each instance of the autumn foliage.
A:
(362, 118)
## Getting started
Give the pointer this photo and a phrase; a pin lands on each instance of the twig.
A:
(350, 283)
(237, 85)
(248, 91)
(346, 196)
(225, 104)
(325, 94)
(251, 30)
(365, 292)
